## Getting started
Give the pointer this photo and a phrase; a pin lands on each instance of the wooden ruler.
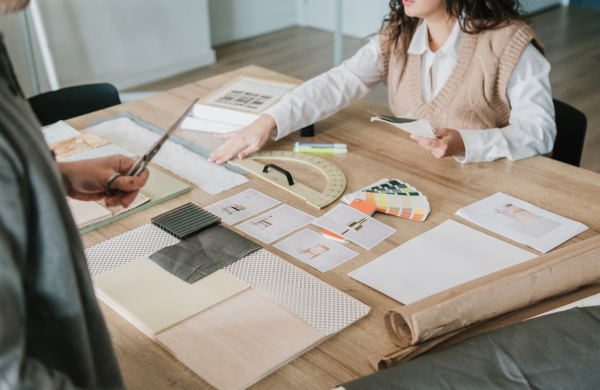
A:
(336, 180)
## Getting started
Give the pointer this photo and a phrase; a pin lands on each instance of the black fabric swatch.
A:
(204, 253)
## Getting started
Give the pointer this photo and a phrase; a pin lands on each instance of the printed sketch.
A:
(524, 221)
(241, 206)
(275, 224)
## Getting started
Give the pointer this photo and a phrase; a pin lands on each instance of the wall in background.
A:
(233, 20)
(532, 6)
(126, 43)
(361, 18)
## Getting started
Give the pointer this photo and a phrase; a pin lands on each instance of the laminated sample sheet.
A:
(153, 299)
(174, 157)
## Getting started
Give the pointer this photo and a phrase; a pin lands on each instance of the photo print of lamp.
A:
(313, 252)
(356, 226)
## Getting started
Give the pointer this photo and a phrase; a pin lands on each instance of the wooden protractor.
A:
(336, 180)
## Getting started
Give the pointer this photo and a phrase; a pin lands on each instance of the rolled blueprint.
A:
(421, 325)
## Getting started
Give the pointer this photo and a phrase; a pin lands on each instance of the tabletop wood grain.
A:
(376, 151)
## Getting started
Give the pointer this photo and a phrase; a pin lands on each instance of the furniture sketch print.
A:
(232, 209)
(263, 222)
(356, 226)
(313, 252)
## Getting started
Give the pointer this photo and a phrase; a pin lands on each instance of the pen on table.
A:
(304, 149)
(319, 145)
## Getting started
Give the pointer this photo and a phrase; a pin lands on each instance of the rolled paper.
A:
(421, 325)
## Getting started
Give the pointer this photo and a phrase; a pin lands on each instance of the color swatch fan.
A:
(394, 197)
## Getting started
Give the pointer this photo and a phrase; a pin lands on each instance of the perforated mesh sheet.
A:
(316, 302)
(103, 151)
(127, 247)
(325, 308)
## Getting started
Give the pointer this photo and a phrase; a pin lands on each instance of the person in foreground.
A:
(473, 68)
(52, 334)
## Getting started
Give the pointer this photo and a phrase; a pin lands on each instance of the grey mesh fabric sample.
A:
(556, 351)
(206, 252)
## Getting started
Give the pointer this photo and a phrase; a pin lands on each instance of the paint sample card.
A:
(241, 206)
(410, 207)
(315, 250)
(355, 226)
(444, 257)
(276, 223)
(522, 221)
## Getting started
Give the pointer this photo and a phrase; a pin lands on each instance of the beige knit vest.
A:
(474, 97)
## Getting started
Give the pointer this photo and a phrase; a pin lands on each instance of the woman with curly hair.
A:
(474, 68)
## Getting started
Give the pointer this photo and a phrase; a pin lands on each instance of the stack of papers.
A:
(87, 213)
(217, 120)
(394, 197)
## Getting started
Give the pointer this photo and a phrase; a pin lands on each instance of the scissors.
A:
(143, 161)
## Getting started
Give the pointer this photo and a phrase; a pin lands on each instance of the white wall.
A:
(233, 20)
(126, 43)
(361, 18)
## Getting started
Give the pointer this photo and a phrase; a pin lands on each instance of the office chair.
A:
(70, 102)
(571, 125)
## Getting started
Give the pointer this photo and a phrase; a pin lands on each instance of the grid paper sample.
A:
(325, 308)
(127, 247)
(322, 306)
(102, 151)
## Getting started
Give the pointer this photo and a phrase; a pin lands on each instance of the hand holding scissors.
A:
(144, 160)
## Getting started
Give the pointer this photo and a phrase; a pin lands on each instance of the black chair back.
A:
(66, 103)
(571, 125)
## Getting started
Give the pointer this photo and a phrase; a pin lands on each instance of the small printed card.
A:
(275, 224)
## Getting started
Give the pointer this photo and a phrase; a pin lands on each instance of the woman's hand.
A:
(449, 143)
(86, 180)
(245, 141)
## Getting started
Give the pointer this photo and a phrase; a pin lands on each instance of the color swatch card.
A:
(354, 225)
(241, 206)
(409, 207)
(315, 250)
(444, 257)
(522, 221)
(392, 197)
(275, 224)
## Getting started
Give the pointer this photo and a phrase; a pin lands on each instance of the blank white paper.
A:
(444, 257)
(522, 221)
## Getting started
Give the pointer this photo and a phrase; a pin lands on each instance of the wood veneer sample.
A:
(239, 341)
(152, 299)
(76, 145)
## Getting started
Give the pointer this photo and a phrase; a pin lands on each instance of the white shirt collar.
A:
(420, 42)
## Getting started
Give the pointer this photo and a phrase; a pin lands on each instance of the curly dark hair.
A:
(479, 15)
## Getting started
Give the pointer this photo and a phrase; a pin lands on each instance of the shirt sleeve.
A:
(330, 92)
(17, 370)
(531, 129)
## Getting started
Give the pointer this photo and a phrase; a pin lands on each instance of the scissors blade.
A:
(158, 144)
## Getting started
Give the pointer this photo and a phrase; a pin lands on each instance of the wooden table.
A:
(376, 151)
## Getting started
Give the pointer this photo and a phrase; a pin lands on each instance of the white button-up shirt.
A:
(531, 129)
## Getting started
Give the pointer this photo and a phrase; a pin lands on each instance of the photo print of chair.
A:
(356, 226)
(232, 209)
(313, 252)
(263, 222)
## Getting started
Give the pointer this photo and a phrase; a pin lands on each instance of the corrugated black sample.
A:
(185, 221)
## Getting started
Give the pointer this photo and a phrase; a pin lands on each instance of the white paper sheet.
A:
(275, 224)
(356, 226)
(522, 221)
(208, 126)
(87, 213)
(223, 115)
(59, 131)
(315, 250)
(421, 127)
(594, 300)
(444, 257)
(241, 206)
